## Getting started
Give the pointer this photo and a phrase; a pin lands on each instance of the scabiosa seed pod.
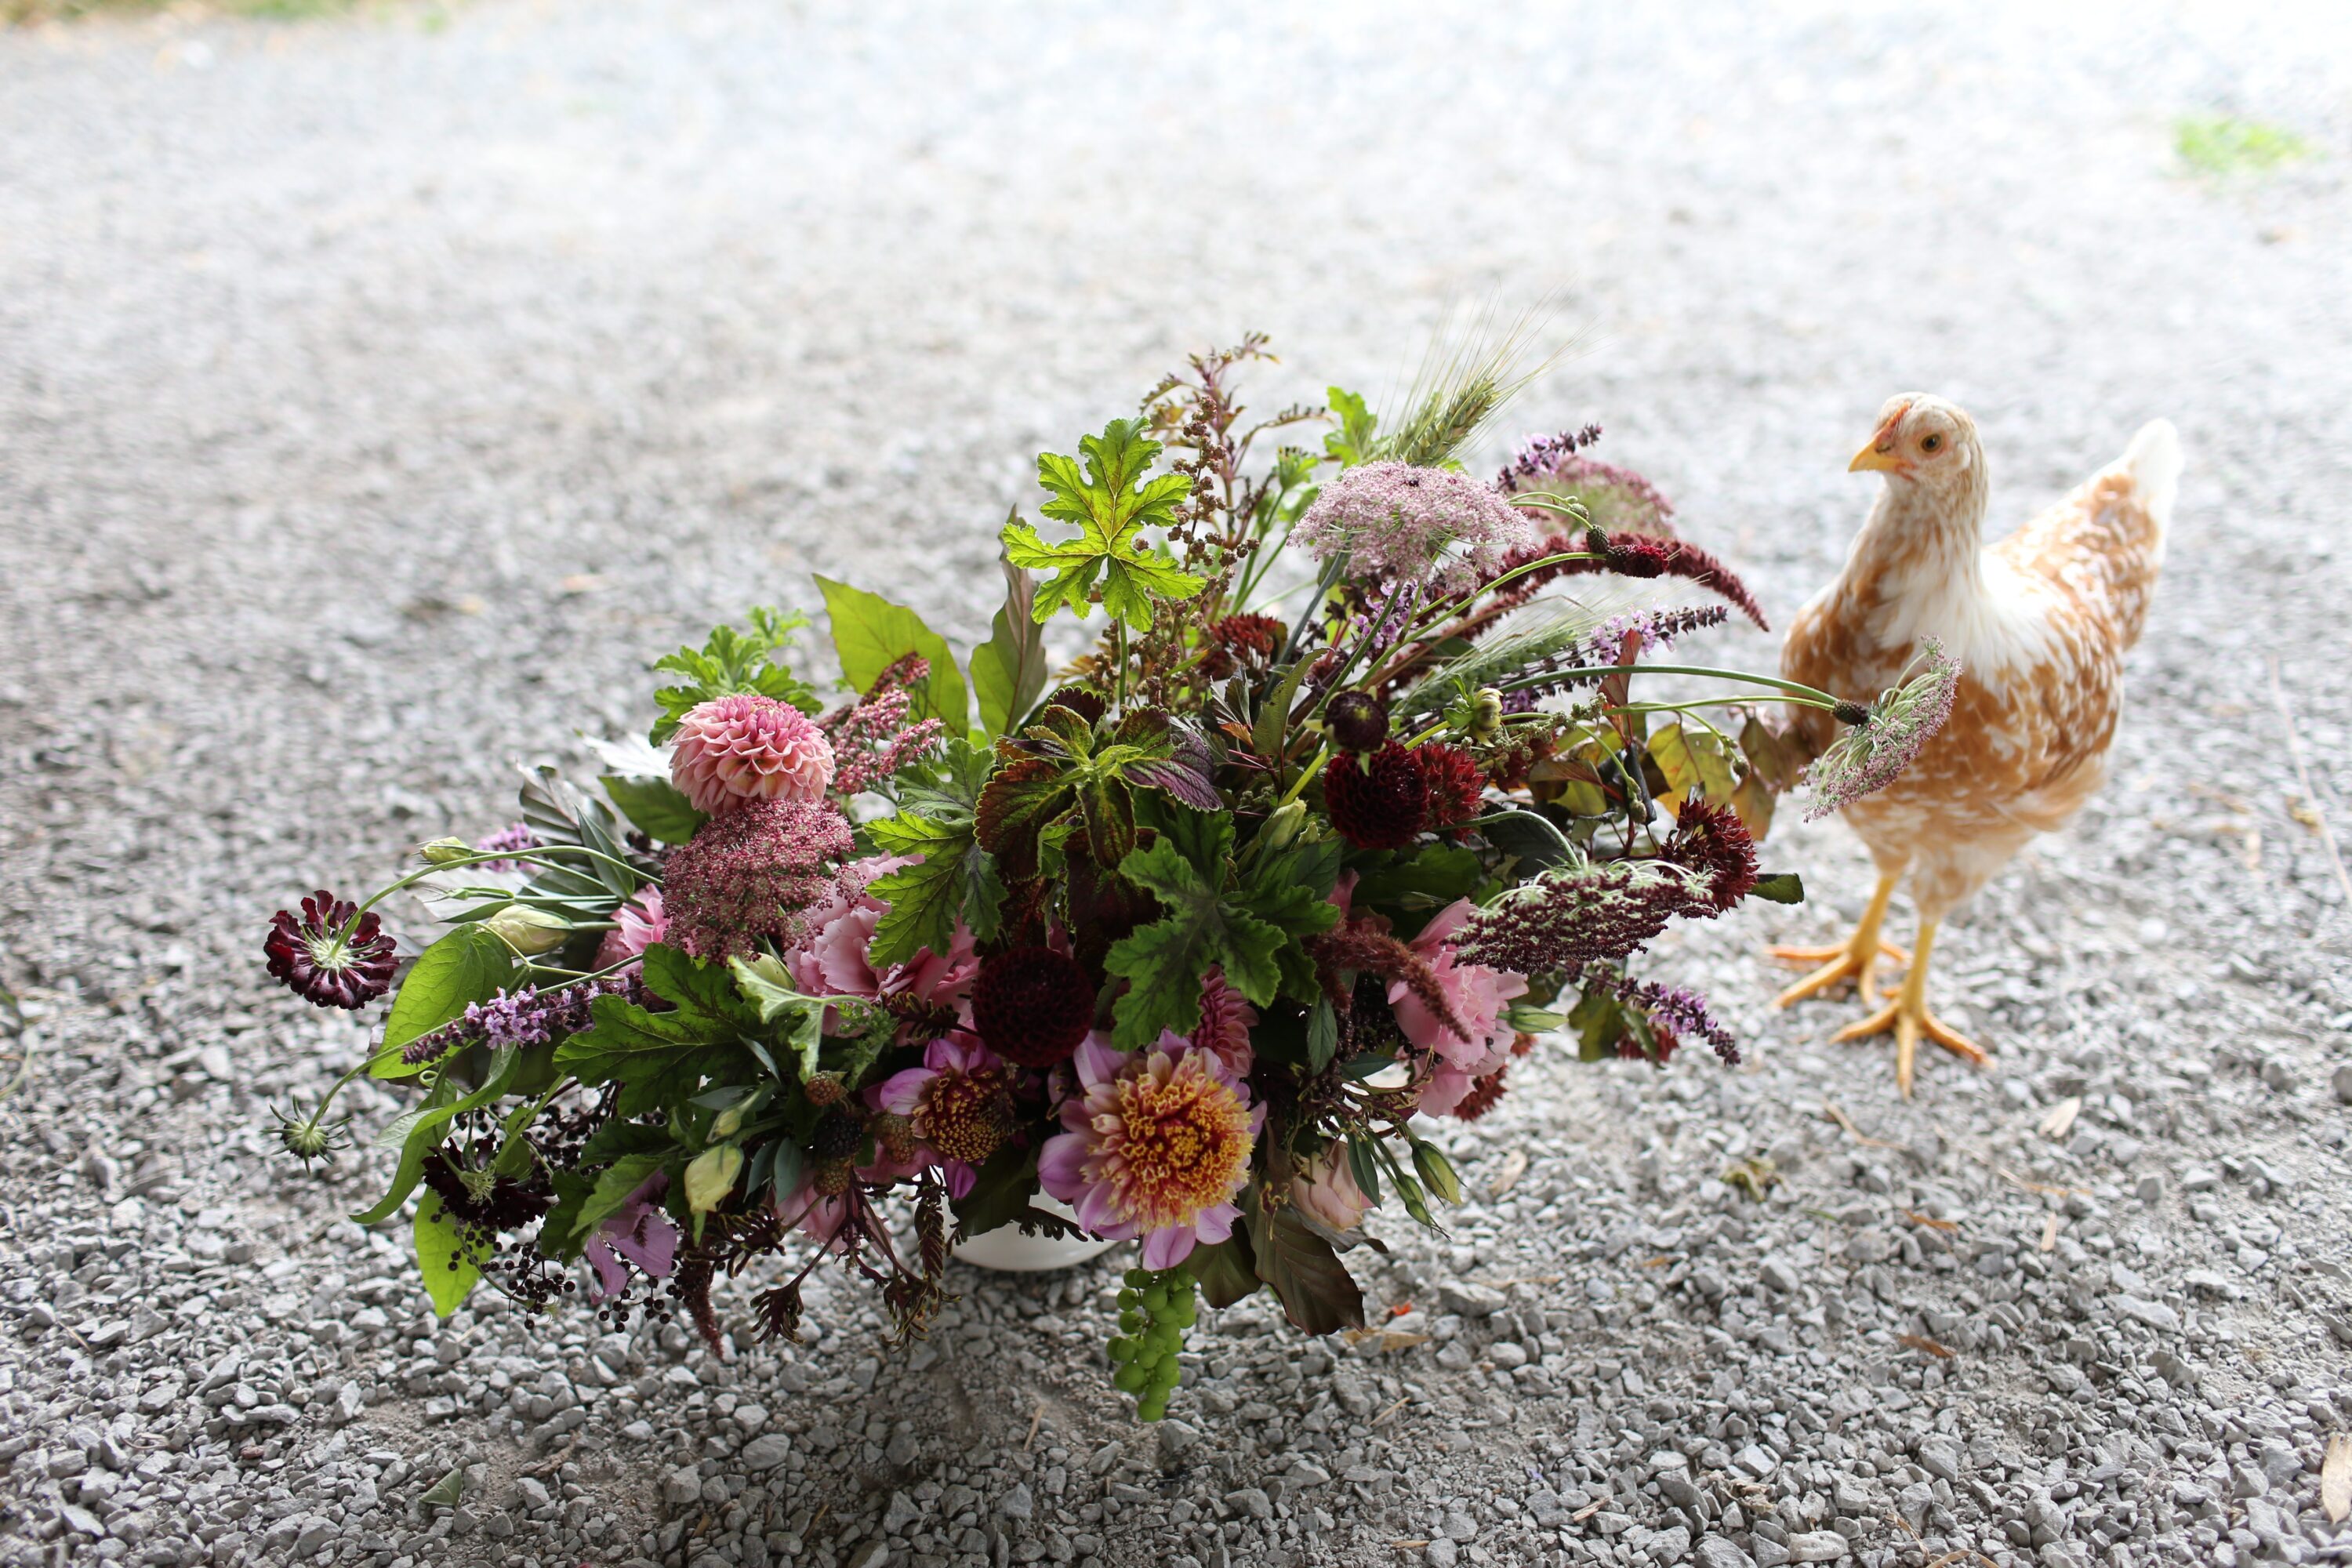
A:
(1455, 783)
(837, 1135)
(1033, 1005)
(1357, 721)
(1712, 841)
(1378, 803)
(327, 956)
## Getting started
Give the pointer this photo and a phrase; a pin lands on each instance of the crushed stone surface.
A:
(377, 394)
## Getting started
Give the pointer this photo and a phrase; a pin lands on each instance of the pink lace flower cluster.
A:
(1398, 521)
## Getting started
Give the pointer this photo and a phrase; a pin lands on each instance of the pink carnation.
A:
(1475, 994)
(637, 926)
(747, 747)
(1157, 1145)
(833, 959)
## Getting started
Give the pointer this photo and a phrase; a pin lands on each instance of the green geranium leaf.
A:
(730, 662)
(763, 983)
(614, 1184)
(1209, 917)
(449, 1274)
(1111, 503)
(468, 965)
(870, 634)
(660, 1057)
(926, 897)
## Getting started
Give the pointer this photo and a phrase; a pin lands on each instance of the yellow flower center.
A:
(967, 1117)
(1179, 1142)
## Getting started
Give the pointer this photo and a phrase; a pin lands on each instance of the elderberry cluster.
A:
(1154, 1310)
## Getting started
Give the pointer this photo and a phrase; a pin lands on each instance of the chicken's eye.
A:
(1931, 444)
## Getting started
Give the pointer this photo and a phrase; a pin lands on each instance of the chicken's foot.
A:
(1855, 959)
(1908, 1019)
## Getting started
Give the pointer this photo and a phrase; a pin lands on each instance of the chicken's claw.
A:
(1908, 1019)
(1838, 963)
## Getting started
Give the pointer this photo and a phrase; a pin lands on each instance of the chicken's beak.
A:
(1880, 454)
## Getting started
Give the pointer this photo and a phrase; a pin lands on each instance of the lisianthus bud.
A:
(712, 1176)
(528, 930)
(1282, 826)
(444, 851)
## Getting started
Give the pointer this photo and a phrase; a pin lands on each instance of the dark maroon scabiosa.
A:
(332, 955)
(1712, 841)
(1033, 1005)
(1456, 784)
(1376, 802)
(751, 873)
(1357, 721)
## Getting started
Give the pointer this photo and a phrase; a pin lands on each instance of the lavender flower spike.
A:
(1874, 753)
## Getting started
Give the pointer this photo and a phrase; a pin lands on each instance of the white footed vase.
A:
(1009, 1251)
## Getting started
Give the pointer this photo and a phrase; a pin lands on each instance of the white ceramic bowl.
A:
(1007, 1250)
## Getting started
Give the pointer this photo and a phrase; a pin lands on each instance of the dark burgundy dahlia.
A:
(1033, 1005)
(1357, 721)
(1380, 802)
(1456, 784)
(329, 957)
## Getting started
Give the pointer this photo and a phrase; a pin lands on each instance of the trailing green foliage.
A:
(732, 662)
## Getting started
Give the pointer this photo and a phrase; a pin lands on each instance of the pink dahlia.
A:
(1226, 1020)
(959, 1101)
(1474, 994)
(1157, 1145)
(637, 924)
(747, 747)
(639, 1231)
(1326, 1188)
(834, 958)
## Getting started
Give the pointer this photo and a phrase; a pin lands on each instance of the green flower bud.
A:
(528, 930)
(444, 851)
(712, 1176)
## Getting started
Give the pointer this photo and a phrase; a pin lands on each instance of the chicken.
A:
(2039, 624)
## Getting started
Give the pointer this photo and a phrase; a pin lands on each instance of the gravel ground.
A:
(376, 395)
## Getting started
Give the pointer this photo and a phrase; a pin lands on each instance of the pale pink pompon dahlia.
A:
(747, 747)
(1157, 1143)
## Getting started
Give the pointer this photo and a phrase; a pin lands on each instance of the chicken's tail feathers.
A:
(2153, 461)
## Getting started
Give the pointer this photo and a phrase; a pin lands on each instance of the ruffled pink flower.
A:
(637, 924)
(1226, 1020)
(833, 959)
(1326, 1187)
(748, 747)
(1157, 1145)
(961, 1103)
(1476, 996)
(637, 1231)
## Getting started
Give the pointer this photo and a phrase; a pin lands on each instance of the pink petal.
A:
(1168, 1247)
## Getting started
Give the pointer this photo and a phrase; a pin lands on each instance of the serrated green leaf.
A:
(763, 983)
(468, 965)
(1111, 501)
(925, 898)
(870, 634)
(449, 1275)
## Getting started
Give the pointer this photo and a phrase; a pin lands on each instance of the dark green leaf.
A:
(1529, 836)
(655, 806)
(614, 1184)
(1001, 1190)
(1008, 670)
(870, 634)
(763, 983)
(468, 965)
(1364, 1164)
(1779, 888)
(1322, 1034)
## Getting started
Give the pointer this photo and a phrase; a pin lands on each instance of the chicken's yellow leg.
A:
(1908, 1017)
(1855, 959)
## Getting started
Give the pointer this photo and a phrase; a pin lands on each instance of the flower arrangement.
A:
(1340, 810)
